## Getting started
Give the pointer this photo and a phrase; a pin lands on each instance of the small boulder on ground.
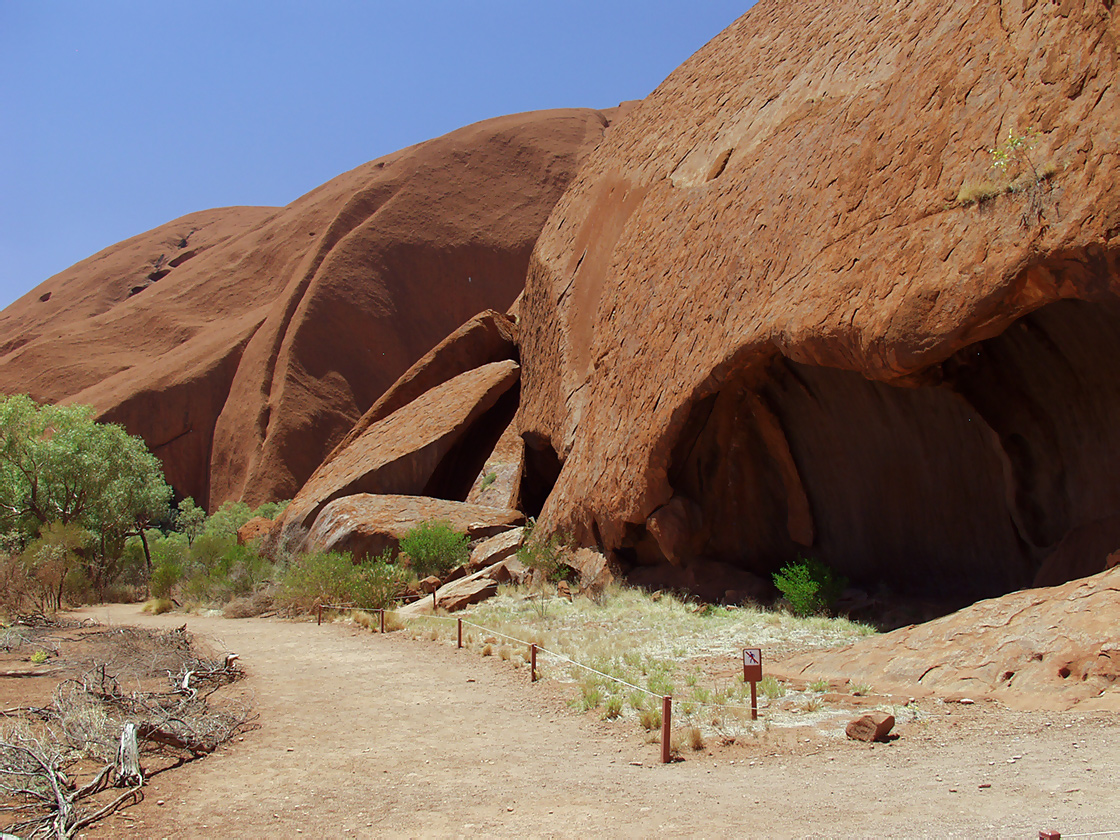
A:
(430, 584)
(873, 726)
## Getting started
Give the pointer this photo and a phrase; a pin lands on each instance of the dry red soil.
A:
(367, 735)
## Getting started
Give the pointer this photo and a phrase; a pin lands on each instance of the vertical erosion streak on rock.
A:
(234, 457)
(356, 211)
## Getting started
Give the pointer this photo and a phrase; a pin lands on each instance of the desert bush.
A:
(158, 606)
(809, 586)
(544, 555)
(249, 606)
(333, 578)
(435, 548)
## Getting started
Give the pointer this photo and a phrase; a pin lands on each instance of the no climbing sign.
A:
(752, 673)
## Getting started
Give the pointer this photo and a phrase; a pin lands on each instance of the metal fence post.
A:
(532, 663)
(460, 642)
(383, 620)
(319, 610)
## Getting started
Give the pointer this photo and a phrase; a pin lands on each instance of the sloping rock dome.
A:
(789, 306)
(243, 343)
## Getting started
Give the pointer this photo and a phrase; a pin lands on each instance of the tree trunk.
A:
(147, 556)
(128, 758)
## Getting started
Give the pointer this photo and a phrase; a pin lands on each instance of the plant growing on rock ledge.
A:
(1016, 172)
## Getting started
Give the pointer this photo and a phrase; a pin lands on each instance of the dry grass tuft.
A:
(978, 192)
(488, 650)
(695, 739)
(158, 606)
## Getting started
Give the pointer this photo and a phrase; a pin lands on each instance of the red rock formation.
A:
(791, 298)
(415, 451)
(366, 525)
(243, 343)
(1038, 648)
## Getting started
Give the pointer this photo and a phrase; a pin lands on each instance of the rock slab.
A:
(873, 726)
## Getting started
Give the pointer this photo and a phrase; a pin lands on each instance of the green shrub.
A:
(544, 555)
(771, 688)
(333, 578)
(435, 548)
(809, 586)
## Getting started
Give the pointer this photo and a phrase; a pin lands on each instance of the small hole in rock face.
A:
(718, 165)
(45, 297)
(1008, 675)
(1063, 672)
(1036, 657)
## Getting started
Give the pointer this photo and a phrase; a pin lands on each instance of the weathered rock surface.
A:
(253, 530)
(412, 451)
(496, 549)
(472, 589)
(486, 338)
(243, 343)
(873, 726)
(366, 525)
(766, 307)
(1053, 648)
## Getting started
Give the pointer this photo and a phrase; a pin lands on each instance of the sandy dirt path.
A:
(369, 736)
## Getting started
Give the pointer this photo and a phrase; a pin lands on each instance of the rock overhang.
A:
(775, 212)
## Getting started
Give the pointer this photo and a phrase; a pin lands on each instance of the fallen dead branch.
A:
(152, 700)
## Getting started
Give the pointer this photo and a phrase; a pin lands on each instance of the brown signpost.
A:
(752, 673)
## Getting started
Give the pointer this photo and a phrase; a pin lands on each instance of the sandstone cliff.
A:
(789, 306)
(243, 343)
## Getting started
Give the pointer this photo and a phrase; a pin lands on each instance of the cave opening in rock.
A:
(539, 475)
(998, 474)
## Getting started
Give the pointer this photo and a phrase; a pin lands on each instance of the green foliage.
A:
(435, 548)
(333, 578)
(544, 555)
(58, 465)
(809, 586)
(53, 557)
(39, 657)
(771, 688)
(488, 479)
(1013, 153)
(820, 685)
(225, 521)
(190, 519)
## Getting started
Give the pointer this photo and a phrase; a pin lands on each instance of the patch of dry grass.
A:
(645, 647)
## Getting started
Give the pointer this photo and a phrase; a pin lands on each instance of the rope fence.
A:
(534, 649)
(666, 699)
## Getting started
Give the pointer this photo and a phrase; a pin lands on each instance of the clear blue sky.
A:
(116, 117)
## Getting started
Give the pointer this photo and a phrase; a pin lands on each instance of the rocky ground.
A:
(364, 735)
